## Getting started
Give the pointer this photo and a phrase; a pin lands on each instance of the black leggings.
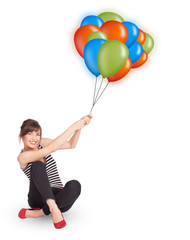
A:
(40, 190)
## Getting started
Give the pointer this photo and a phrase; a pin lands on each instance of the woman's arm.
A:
(60, 141)
(66, 145)
(53, 145)
(32, 156)
(73, 140)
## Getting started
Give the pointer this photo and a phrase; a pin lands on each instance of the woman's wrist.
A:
(73, 127)
(78, 125)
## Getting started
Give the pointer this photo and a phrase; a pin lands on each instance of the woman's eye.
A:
(29, 133)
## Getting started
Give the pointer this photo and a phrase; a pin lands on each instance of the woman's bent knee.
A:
(37, 163)
(75, 186)
(37, 167)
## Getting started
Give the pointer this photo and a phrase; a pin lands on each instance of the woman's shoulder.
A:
(23, 150)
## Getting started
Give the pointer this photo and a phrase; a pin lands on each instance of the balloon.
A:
(141, 38)
(112, 46)
(81, 36)
(115, 30)
(90, 55)
(111, 57)
(108, 16)
(122, 72)
(92, 19)
(141, 60)
(148, 44)
(133, 33)
(135, 52)
(97, 34)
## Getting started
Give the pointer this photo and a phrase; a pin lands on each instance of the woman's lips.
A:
(33, 143)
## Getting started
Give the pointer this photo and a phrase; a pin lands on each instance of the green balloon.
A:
(97, 34)
(108, 16)
(148, 44)
(111, 58)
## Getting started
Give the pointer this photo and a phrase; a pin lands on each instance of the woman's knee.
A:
(75, 186)
(37, 166)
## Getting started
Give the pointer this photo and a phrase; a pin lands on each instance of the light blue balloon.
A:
(92, 19)
(91, 50)
(135, 52)
(133, 33)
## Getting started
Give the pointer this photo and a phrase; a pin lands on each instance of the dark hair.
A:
(29, 125)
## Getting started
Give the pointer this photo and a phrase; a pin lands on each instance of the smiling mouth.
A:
(33, 143)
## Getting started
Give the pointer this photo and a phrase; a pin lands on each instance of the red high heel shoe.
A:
(60, 224)
(22, 213)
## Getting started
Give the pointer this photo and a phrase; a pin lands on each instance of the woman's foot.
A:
(56, 219)
(56, 214)
(30, 213)
(34, 213)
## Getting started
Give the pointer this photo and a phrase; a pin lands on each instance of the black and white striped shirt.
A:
(51, 169)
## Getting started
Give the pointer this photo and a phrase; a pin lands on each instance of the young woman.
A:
(46, 192)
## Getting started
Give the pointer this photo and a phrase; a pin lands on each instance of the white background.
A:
(133, 159)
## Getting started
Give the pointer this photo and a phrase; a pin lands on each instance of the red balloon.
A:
(81, 36)
(141, 60)
(115, 30)
(122, 72)
(141, 38)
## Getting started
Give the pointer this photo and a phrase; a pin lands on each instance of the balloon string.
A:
(94, 97)
(98, 90)
(91, 108)
(98, 97)
(101, 93)
(94, 94)
(95, 89)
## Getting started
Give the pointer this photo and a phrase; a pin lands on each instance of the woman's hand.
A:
(84, 121)
(87, 119)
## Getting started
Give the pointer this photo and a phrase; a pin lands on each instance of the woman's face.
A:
(31, 140)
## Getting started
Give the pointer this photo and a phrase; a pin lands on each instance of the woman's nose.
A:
(34, 136)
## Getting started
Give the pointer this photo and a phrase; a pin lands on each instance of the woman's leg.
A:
(35, 200)
(67, 196)
(40, 179)
(41, 194)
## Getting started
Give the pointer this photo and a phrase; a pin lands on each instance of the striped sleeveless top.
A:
(51, 170)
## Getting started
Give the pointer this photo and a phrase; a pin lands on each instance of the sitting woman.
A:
(46, 192)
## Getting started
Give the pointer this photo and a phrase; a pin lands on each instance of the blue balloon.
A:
(92, 19)
(135, 52)
(133, 33)
(91, 50)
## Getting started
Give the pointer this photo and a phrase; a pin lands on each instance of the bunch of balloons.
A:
(110, 46)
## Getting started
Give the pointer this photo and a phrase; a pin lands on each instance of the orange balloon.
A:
(141, 60)
(141, 38)
(81, 36)
(122, 72)
(115, 30)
